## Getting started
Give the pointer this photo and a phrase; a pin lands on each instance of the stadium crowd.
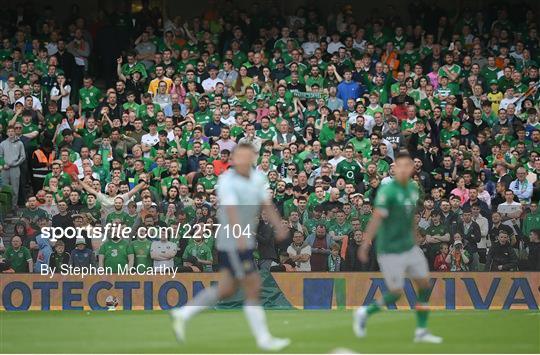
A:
(327, 100)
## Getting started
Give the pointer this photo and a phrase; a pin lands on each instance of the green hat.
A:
(467, 126)
(260, 97)
(493, 81)
(437, 171)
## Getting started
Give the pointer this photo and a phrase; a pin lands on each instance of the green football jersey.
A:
(340, 229)
(115, 215)
(141, 250)
(90, 98)
(18, 258)
(115, 253)
(199, 251)
(351, 171)
(209, 182)
(398, 202)
(267, 135)
(203, 117)
(441, 229)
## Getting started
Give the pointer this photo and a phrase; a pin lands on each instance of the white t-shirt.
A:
(209, 84)
(166, 250)
(509, 208)
(335, 161)
(149, 139)
(301, 265)
(64, 101)
(36, 103)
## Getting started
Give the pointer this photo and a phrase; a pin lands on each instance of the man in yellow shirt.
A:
(494, 96)
(160, 76)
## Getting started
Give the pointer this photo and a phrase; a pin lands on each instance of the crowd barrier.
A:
(490, 291)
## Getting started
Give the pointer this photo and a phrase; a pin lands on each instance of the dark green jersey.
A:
(31, 128)
(268, 135)
(90, 98)
(351, 171)
(209, 182)
(95, 211)
(203, 117)
(51, 121)
(398, 205)
(88, 136)
(115, 215)
(311, 224)
(63, 180)
(18, 258)
(412, 58)
(141, 250)
(116, 253)
(200, 251)
(340, 229)
(432, 230)
(34, 215)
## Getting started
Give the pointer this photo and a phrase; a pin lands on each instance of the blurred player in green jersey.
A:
(393, 224)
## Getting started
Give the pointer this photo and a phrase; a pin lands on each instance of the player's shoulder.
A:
(258, 176)
(227, 177)
(385, 194)
(414, 188)
(231, 176)
(388, 189)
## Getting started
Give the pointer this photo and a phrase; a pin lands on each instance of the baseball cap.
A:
(211, 66)
(80, 241)
(280, 61)
(493, 81)
(467, 126)
(437, 171)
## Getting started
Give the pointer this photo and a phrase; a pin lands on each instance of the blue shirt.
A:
(350, 90)
(213, 129)
(44, 253)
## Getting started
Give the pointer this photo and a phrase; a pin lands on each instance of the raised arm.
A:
(89, 188)
(136, 189)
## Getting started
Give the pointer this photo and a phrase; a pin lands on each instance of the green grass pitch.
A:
(227, 332)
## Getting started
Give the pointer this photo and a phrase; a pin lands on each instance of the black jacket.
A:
(472, 236)
(265, 241)
(351, 258)
(503, 255)
(534, 257)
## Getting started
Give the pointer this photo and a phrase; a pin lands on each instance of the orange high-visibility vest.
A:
(42, 158)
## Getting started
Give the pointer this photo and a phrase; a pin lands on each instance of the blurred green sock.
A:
(388, 298)
(422, 308)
